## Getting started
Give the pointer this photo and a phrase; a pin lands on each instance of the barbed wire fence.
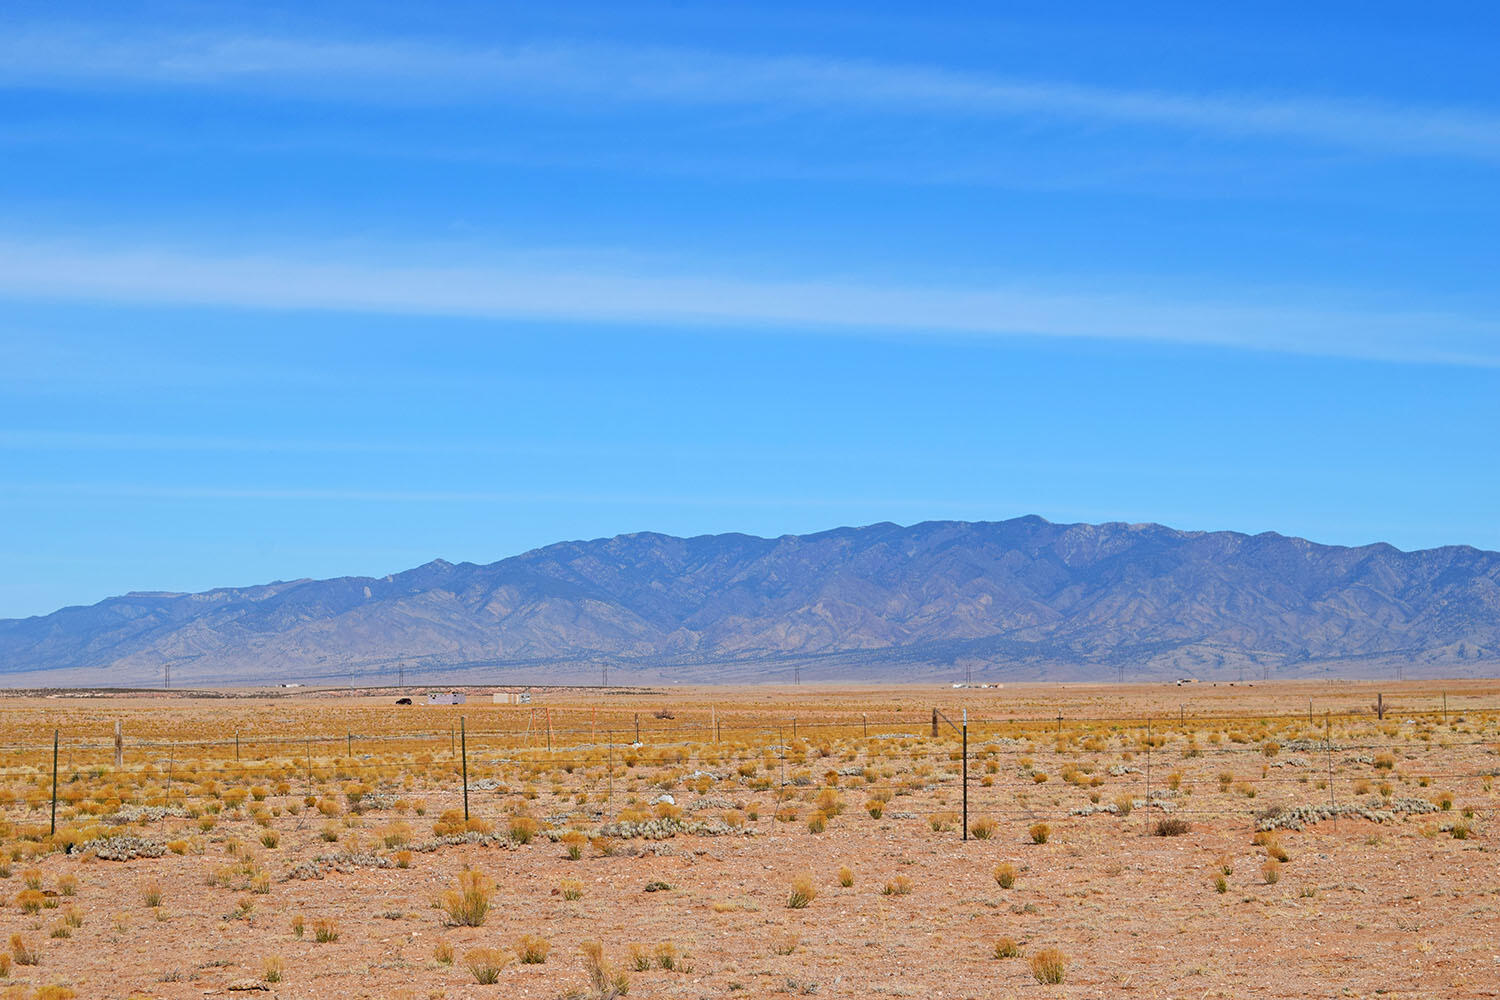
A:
(885, 756)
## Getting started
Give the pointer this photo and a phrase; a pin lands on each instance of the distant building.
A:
(446, 697)
(512, 698)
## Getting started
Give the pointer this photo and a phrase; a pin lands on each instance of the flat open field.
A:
(1274, 840)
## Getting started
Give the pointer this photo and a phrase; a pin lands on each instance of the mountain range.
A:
(1023, 599)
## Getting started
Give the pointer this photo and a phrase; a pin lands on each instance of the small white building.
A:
(512, 697)
(446, 697)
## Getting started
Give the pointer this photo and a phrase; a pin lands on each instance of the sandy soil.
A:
(1396, 909)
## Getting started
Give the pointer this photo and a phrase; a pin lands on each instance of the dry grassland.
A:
(1274, 840)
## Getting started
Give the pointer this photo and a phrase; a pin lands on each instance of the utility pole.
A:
(166, 679)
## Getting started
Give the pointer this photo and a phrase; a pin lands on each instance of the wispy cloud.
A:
(342, 494)
(551, 290)
(404, 72)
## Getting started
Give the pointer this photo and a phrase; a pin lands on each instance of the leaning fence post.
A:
(464, 751)
(934, 723)
(119, 746)
(236, 744)
(54, 779)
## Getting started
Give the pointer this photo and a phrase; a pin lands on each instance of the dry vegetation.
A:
(755, 842)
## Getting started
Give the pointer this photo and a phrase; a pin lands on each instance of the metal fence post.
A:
(55, 733)
(966, 773)
(464, 749)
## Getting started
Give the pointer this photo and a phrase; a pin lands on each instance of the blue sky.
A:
(316, 289)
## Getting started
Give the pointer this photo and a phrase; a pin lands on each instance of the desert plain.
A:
(1261, 839)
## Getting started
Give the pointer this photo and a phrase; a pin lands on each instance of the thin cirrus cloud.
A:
(405, 72)
(553, 291)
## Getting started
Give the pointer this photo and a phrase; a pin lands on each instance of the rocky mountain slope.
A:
(1016, 599)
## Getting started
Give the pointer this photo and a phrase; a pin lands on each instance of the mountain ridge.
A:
(1024, 598)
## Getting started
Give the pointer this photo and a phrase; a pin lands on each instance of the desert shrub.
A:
(846, 876)
(442, 953)
(325, 930)
(467, 905)
(784, 942)
(1221, 884)
(271, 968)
(1271, 871)
(403, 859)
(484, 964)
(876, 808)
(817, 823)
(1170, 826)
(803, 892)
(1048, 966)
(570, 889)
(522, 829)
(1039, 833)
(1005, 874)
(1007, 948)
(68, 884)
(640, 957)
(30, 900)
(982, 829)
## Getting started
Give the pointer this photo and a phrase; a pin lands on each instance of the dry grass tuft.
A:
(485, 964)
(605, 981)
(803, 892)
(469, 904)
(1048, 966)
(531, 949)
